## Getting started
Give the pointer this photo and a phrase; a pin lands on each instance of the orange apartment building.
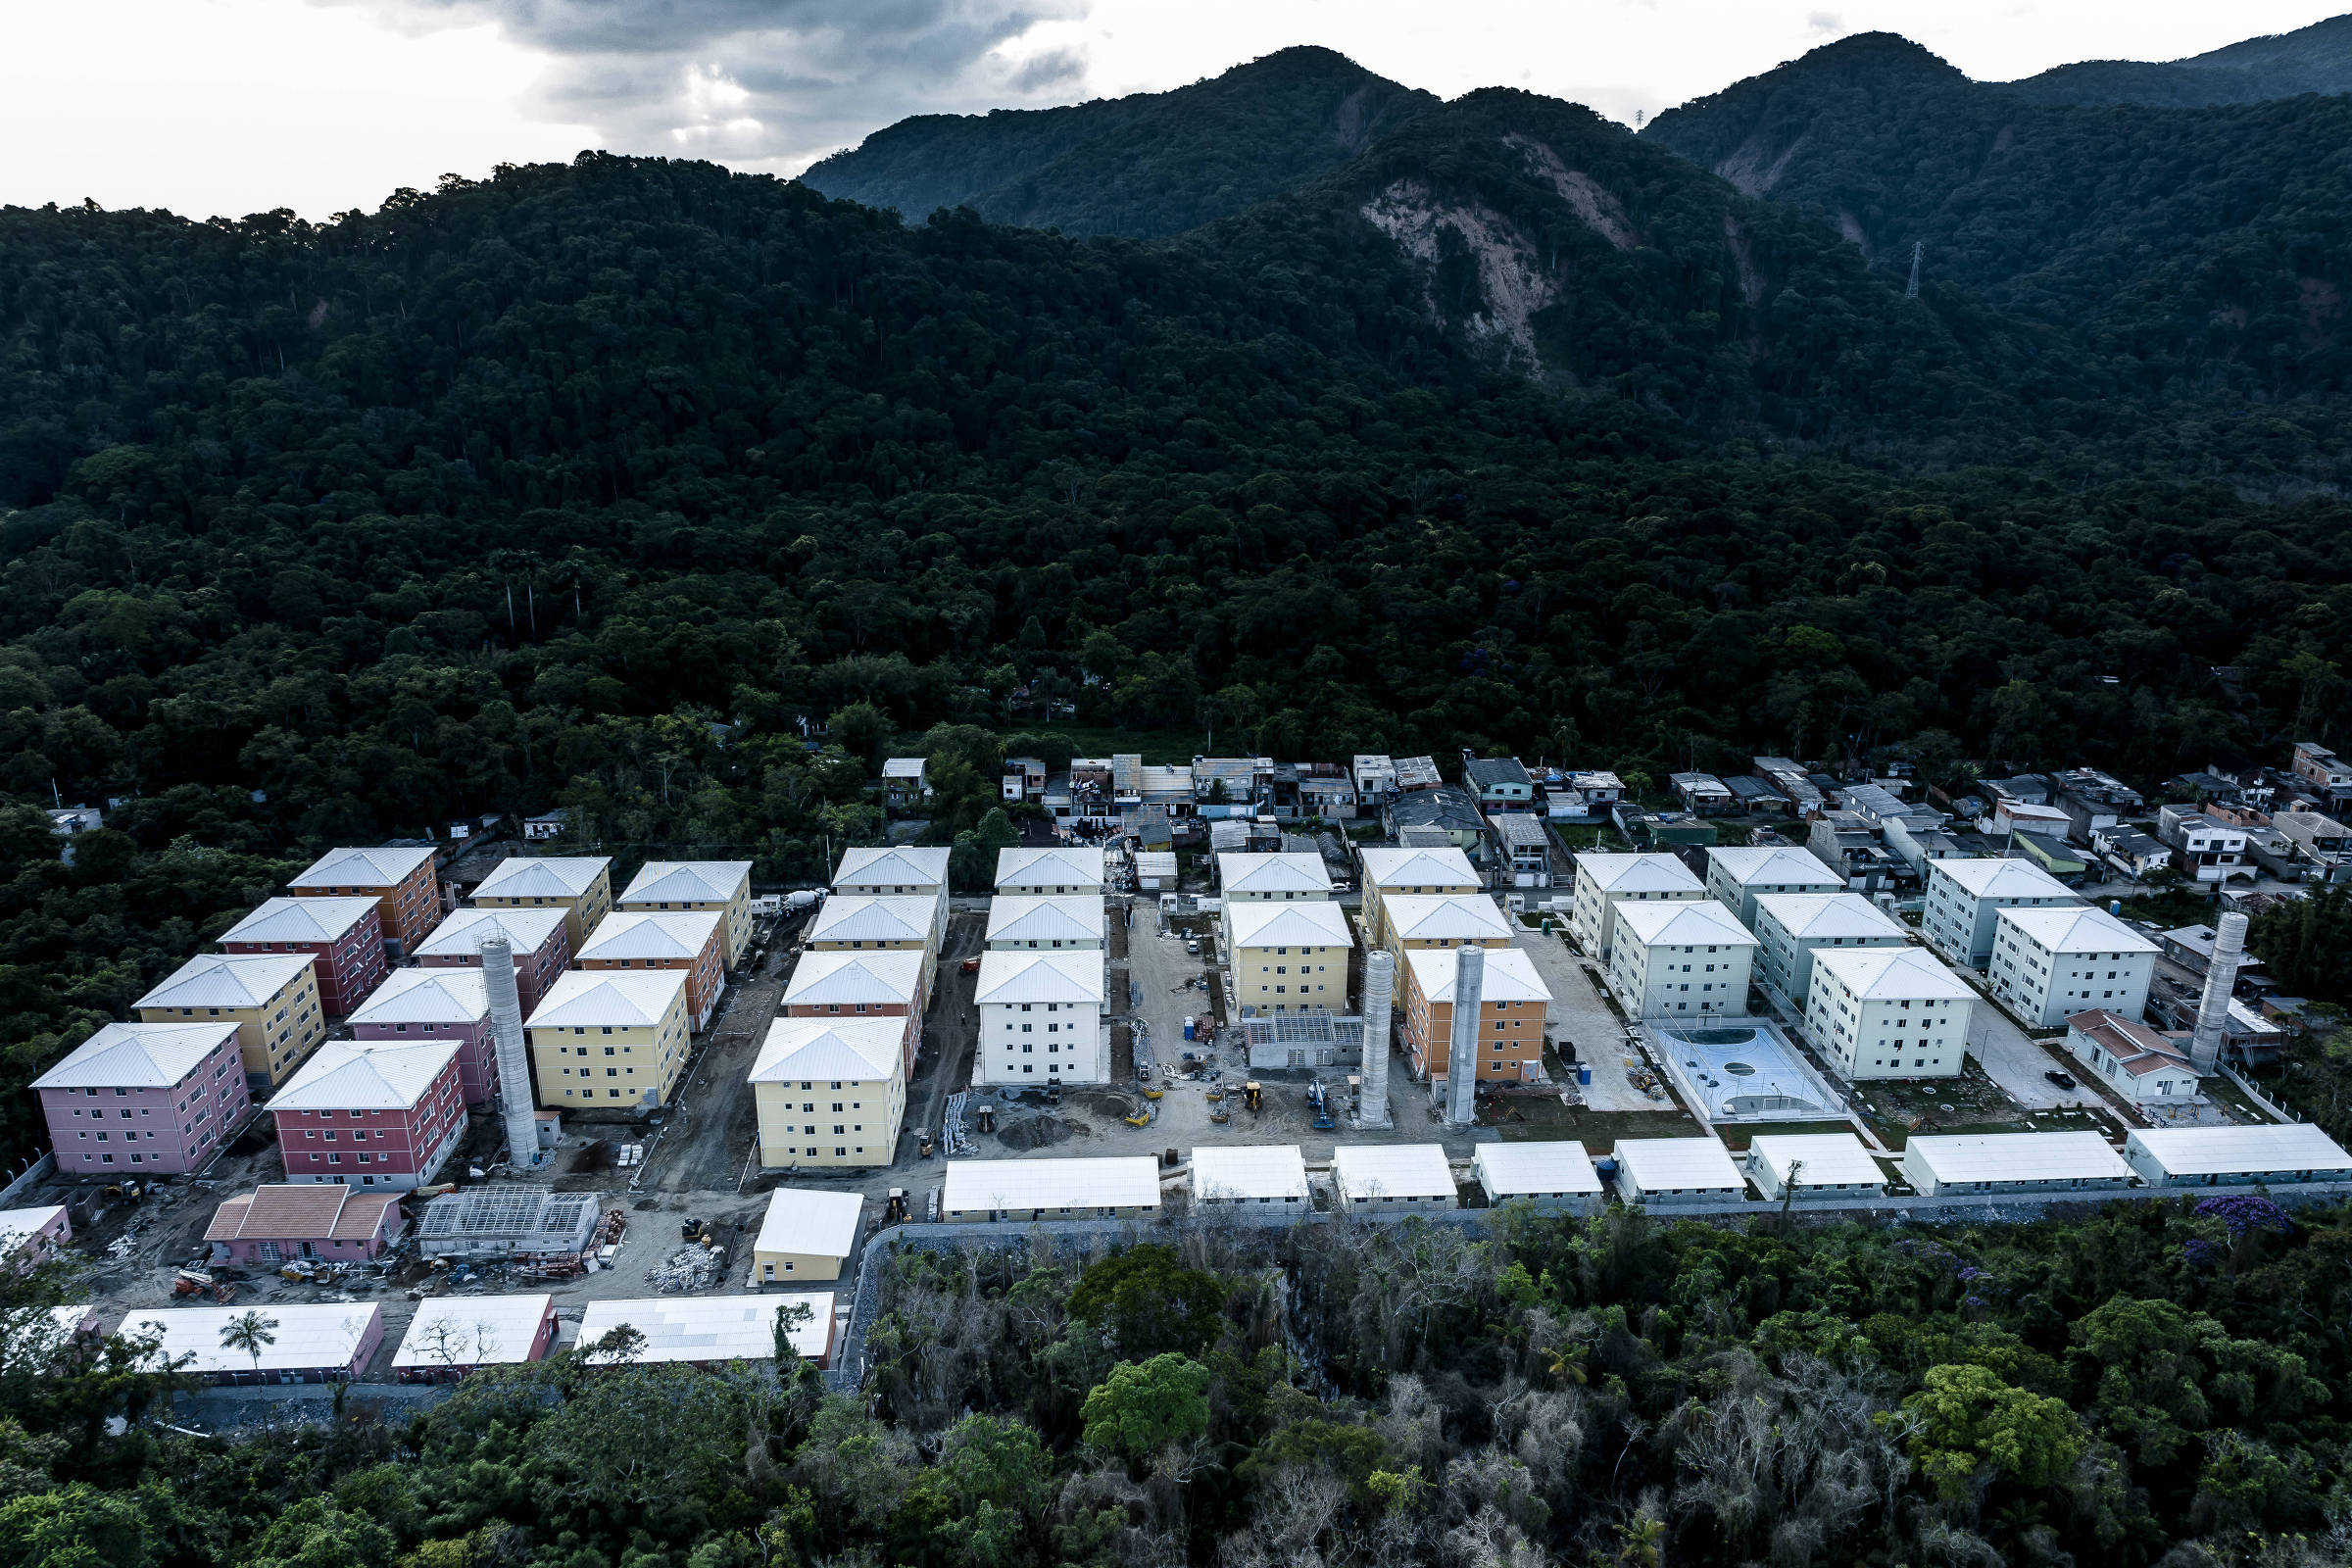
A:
(691, 940)
(1512, 1013)
(401, 881)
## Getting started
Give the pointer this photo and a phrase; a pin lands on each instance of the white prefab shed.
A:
(2012, 1162)
(1250, 1176)
(1665, 1171)
(1388, 1180)
(1115, 1187)
(1816, 1165)
(1554, 1176)
(710, 1330)
(2237, 1156)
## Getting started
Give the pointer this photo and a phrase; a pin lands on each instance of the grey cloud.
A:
(765, 83)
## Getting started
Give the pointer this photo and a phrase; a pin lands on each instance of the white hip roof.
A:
(303, 1337)
(1682, 922)
(1551, 1166)
(1778, 864)
(1125, 1181)
(360, 868)
(896, 866)
(551, 876)
(463, 934)
(1392, 1170)
(1054, 918)
(2233, 1150)
(138, 1056)
(328, 919)
(1638, 873)
(2077, 928)
(229, 980)
(1290, 872)
(1445, 918)
(2000, 879)
(688, 882)
(1828, 916)
(847, 978)
(1320, 924)
(615, 999)
(426, 996)
(1891, 974)
(1448, 867)
(1024, 870)
(1016, 975)
(366, 1075)
(1510, 975)
(874, 917)
(668, 934)
(1249, 1171)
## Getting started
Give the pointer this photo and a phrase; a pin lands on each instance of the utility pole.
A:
(1917, 247)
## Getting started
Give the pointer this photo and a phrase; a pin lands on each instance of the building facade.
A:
(579, 885)
(715, 887)
(829, 1092)
(1737, 875)
(1964, 897)
(1791, 927)
(1288, 957)
(691, 942)
(344, 937)
(1680, 960)
(1041, 1020)
(1889, 1013)
(402, 881)
(437, 1004)
(1513, 1005)
(540, 940)
(159, 1097)
(271, 998)
(1607, 883)
(609, 1042)
(369, 1114)
(2048, 963)
(860, 985)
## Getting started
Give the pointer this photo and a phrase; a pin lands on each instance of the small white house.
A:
(1555, 1176)
(1681, 961)
(2012, 1162)
(1255, 1176)
(2050, 962)
(1667, 1172)
(1737, 875)
(1041, 1020)
(1963, 897)
(1814, 1165)
(1606, 883)
(1113, 1187)
(2237, 1156)
(2143, 1065)
(1889, 1013)
(1791, 926)
(1388, 1180)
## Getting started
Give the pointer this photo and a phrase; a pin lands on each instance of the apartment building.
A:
(1789, 928)
(160, 1097)
(271, 998)
(1964, 897)
(1737, 877)
(1680, 960)
(579, 885)
(608, 1041)
(691, 942)
(2048, 963)
(539, 939)
(1512, 1008)
(1607, 883)
(1041, 1020)
(707, 887)
(1889, 1013)
(829, 1092)
(344, 937)
(437, 1004)
(402, 881)
(367, 1113)
(857, 985)
(1288, 957)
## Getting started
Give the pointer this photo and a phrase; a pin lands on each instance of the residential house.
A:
(271, 998)
(830, 1091)
(1889, 1013)
(1790, 779)
(401, 880)
(1024, 778)
(1041, 1020)
(1680, 959)
(1417, 773)
(1048, 925)
(862, 984)
(1522, 849)
(608, 1041)
(897, 870)
(2322, 841)
(1498, 783)
(2138, 1063)
(2204, 847)
(1754, 796)
(2327, 777)
(1375, 777)
(1445, 809)
(905, 785)
(1607, 883)
(2051, 854)
(344, 937)
(1600, 788)
(1701, 793)
(437, 1004)
(279, 1222)
(807, 1233)
(1058, 871)
(1737, 877)
(546, 826)
(1229, 785)
(1964, 897)
(2048, 963)
(1791, 927)
(2133, 853)
(2191, 947)
(161, 1097)
(1288, 957)
(691, 942)
(581, 885)
(1283, 878)
(539, 939)
(2026, 789)
(368, 1113)
(1408, 871)
(2012, 817)
(1327, 793)
(1513, 1005)
(31, 1236)
(1852, 844)
(2093, 802)
(721, 886)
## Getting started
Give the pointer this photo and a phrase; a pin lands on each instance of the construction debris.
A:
(691, 1268)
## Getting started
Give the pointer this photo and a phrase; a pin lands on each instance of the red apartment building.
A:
(422, 1006)
(372, 1116)
(344, 937)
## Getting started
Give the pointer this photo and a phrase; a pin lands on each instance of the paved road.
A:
(1580, 1017)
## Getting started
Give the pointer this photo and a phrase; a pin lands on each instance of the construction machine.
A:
(1318, 1100)
(894, 1207)
(1254, 1096)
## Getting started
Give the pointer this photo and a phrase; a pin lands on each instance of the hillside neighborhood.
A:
(438, 1105)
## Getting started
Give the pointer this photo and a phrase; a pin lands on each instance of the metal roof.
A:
(1520, 830)
(1225, 1172)
(1315, 923)
(304, 1337)
(1509, 1170)
(1304, 1029)
(1119, 1181)
(138, 1056)
(650, 934)
(360, 868)
(812, 1221)
(1273, 873)
(1019, 974)
(1447, 867)
(896, 866)
(1638, 873)
(1054, 917)
(2240, 1150)
(426, 996)
(463, 934)
(366, 1075)
(874, 917)
(832, 1050)
(712, 1327)
(229, 980)
(501, 1220)
(902, 766)
(2000, 879)
(473, 1331)
(1510, 975)
(1679, 1165)
(1061, 866)
(1445, 918)
(549, 876)
(17, 1225)
(1828, 916)
(1682, 922)
(609, 998)
(1891, 974)
(845, 979)
(2020, 1157)
(1772, 864)
(1392, 1170)
(2079, 929)
(328, 919)
(1829, 1159)
(688, 882)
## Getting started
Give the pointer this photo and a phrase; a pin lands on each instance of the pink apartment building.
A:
(147, 1099)
(541, 941)
(369, 1114)
(431, 1004)
(344, 937)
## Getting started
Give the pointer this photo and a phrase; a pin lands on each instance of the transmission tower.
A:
(1917, 246)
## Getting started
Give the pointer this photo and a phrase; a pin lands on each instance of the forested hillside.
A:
(2204, 248)
(1146, 165)
(2316, 58)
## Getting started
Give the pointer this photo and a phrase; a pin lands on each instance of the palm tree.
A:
(249, 1332)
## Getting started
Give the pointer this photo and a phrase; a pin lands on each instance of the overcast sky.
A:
(237, 106)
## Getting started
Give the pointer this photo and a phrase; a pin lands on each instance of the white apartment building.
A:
(1605, 883)
(1041, 1020)
(1680, 959)
(1791, 927)
(2047, 963)
(1062, 870)
(1051, 924)
(1737, 875)
(1889, 1013)
(1963, 897)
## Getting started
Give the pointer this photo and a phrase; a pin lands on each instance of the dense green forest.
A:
(2152, 1384)
(2316, 58)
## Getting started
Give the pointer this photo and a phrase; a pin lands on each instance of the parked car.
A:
(2061, 1079)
